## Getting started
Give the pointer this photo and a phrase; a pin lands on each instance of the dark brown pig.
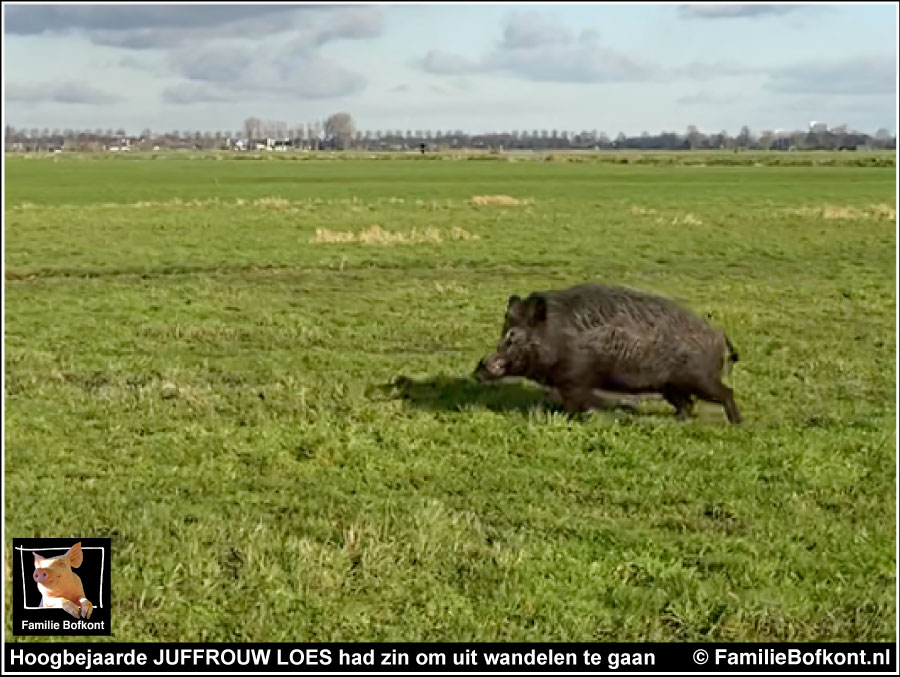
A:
(593, 339)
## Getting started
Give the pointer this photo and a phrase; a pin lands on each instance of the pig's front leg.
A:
(86, 607)
(553, 395)
(71, 608)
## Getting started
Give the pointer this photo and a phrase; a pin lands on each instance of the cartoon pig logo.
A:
(59, 585)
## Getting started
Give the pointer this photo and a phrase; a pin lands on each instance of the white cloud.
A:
(442, 63)
(736, 11)
(216, 73)
(539, 48)
(704, 98)
(532, 29)
(166, 26)
(854, 75)
(59, 92)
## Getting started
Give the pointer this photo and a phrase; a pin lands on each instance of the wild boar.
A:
(592, 338)
(59, 585)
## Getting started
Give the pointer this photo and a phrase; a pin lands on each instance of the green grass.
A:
(281, 439)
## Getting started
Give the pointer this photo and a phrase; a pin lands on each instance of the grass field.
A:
(254, 377)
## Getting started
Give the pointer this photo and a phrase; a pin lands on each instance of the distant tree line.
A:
(339, 132)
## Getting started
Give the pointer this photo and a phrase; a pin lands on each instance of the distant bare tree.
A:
(694, 137)
(339, 130)
(252, 128)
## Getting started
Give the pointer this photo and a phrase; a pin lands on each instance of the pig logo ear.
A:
(75, 556)
(37, 559)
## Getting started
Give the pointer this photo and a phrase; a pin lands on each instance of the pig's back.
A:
(588, 306)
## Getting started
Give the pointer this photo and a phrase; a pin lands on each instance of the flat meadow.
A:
(252, 374)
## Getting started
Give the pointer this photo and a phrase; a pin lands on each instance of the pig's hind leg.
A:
(718, 392)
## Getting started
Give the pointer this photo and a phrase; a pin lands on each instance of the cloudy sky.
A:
(477, 67)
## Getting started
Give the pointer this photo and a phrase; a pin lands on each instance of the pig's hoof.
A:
(71, 608)
(86, 608)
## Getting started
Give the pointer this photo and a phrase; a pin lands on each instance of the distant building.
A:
(818, 127)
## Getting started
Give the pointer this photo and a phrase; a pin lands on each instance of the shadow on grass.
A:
(447, 393)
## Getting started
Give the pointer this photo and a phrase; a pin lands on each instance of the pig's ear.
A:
(538, 311)
(37, 559)
(75, 556)
(515, 308)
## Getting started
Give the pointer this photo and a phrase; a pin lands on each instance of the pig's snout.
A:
(40, 576)
(490, 368)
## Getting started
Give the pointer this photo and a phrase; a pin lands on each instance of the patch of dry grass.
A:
(375, 234)
(687, 220)
(496, 200)
(272, 203)
(836, 212)
(275, 202)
